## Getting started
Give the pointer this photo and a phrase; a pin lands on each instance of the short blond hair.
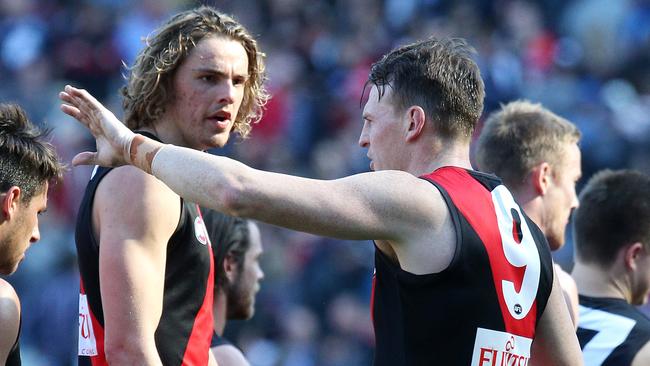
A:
(520, 136)
(150, 80)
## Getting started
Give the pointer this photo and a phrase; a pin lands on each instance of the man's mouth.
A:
(221, 118)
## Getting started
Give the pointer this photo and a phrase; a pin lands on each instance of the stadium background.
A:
(587, 60)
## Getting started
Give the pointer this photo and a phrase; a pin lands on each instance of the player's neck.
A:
(597, 282)
(532, 205)
(450, 154)
(219, 309)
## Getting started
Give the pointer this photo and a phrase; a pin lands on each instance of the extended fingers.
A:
(84, 158)
(84, 99)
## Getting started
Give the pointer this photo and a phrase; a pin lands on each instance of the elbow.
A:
(125, 352)
(233, 201)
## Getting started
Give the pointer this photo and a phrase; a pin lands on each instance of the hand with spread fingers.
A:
(113, 138)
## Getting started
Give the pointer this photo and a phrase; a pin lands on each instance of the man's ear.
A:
(416, 119)
(230, 267)
(540, 176)
(632, 253)
(10, 201)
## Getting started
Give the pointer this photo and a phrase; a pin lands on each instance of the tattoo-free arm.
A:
(555, 340)
(9, 319)
(133, 235)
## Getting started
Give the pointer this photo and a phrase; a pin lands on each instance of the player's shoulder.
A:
(134, 200)
(227, 354)
(127, 184)
(7, 292)
(9, 307)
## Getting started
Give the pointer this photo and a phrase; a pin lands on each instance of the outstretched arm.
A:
(388, 205)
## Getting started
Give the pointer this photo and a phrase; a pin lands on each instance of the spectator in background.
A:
(535, 152)
(612, 270)
(237, 247)
(28, 165)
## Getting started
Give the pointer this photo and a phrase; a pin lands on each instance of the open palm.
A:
(112, 138)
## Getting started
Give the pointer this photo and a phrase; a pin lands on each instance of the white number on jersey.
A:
(520, 252)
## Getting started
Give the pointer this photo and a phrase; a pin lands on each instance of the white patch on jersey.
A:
(87, 342)
(521, 255)
(492, 347)
(200, 231)
(612, 330)
(92, 175)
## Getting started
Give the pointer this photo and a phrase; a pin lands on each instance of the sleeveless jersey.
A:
(185, 329)
(13, 359)
(484, 308)
(610, 331)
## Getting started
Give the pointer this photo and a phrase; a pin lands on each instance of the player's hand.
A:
(113, 139)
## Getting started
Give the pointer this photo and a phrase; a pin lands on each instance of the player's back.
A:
(485, 306)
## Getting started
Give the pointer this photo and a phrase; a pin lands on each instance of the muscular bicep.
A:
(9, 319)
(388, 205)
(136, 216)
(555, 340)
(377, 205)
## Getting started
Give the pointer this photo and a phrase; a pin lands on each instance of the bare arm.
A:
(229, 355)
(9, 319)
(388, 205)
(133, 236)
(570, 293)
(555, 340)
(642, 357)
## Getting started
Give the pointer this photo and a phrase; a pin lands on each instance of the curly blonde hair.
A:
(150, 80)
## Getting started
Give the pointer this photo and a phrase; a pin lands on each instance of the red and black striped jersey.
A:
(484, 308)
(184, 332)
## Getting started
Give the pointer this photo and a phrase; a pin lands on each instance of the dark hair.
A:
(520, 136)
(149, 86)
(26, 160)
(438, 75)
(614, 211)
(228, 235)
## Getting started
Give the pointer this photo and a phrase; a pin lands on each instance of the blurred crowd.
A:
(586, 60)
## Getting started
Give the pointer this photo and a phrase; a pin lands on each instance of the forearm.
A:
(131, 352)
(209, 180)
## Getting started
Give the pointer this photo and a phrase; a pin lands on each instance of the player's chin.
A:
(9, 268)
(218, 141)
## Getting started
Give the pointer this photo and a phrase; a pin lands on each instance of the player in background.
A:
(28, 165)
(237, 247)
(612, 270)
(535, 152)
